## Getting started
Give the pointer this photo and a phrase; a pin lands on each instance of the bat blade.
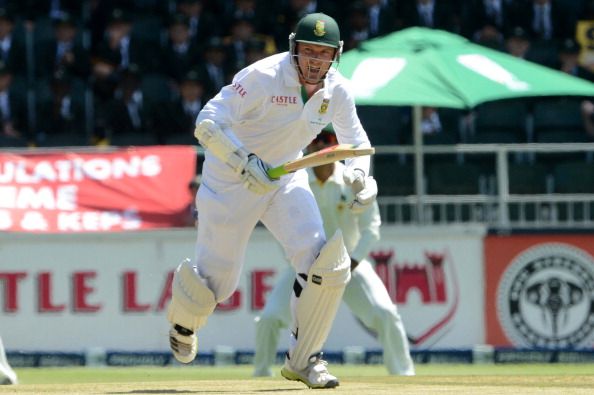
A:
(322, 157)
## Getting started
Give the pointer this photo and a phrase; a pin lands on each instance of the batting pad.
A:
(212, 138)
(192, 301)
(317, 306)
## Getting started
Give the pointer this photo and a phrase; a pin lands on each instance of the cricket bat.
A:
(321, 157)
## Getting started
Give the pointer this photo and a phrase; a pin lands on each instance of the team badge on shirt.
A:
(324, 106)
(320, 28)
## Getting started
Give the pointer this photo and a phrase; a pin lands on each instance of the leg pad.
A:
(192, 301)
(319, 301)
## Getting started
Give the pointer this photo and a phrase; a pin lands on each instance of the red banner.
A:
(96, 191)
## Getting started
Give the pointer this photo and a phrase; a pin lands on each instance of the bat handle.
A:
(276, 172)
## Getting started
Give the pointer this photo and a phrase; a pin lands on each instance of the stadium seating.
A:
(376, 120)
(574, 177)
(558, 120)
(525, 178)
(394, 178)
(131, 138)
(506, 119)
(542, 120)
(449, 178)
(180, 138)
(495, 137)
(155, 88)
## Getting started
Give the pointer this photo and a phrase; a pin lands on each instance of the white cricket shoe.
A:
(183, 343)
(315, 375)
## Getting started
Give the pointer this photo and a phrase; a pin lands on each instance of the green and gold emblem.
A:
(320, 28)
(324, 106)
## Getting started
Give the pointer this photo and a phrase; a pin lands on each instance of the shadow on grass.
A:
(209, 391)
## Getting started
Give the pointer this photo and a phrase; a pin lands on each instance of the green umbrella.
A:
(426, 67)
(420, 66)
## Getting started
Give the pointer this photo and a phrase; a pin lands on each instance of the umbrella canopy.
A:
(427, 67)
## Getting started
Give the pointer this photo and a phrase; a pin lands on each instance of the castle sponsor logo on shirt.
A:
(239, 89)
(283, 100)
(546, 297)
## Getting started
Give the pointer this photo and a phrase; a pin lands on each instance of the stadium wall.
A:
(70, 293)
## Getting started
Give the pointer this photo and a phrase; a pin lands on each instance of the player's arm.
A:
(369, 222)
(349, 130)
(213, 132)
(252, 171)
(239, 101)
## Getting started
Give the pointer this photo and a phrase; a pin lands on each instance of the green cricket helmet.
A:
(318, 29)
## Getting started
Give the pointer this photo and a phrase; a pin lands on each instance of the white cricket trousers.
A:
(227, 215)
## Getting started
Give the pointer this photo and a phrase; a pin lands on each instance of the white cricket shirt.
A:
(263, 110)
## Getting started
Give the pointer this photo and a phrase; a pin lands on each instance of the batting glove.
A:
(255, 176)
(364, 188)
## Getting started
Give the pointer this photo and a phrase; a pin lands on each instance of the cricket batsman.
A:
(269, 113)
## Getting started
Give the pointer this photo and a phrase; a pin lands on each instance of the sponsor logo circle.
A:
(546, 297)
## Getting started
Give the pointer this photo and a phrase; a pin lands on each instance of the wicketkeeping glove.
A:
(255, 176)
(364, 188)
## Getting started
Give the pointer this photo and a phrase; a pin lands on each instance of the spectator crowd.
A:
(134, 72)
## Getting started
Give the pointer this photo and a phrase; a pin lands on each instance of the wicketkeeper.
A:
(265, 117)
(365, 294)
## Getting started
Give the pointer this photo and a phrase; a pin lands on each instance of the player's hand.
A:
(364, 188)
(255, 176)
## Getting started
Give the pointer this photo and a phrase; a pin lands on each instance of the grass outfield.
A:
(356, 380)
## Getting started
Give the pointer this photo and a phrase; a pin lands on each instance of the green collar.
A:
(304, 94)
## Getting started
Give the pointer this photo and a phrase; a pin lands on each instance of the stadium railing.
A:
(494, 205)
